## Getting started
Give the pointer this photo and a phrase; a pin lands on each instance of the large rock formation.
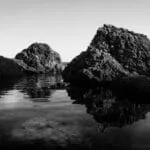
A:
(113, 53)
(39, 58)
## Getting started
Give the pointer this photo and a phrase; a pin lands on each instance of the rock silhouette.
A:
(114, 53)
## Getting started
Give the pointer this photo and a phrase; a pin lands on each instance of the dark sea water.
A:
(38, 112)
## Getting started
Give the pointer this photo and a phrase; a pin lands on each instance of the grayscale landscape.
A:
(74, 75)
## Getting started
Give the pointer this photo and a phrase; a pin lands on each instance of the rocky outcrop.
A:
(39, 58)
(114, 53)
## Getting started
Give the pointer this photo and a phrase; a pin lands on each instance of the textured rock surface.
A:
(113, 53)
(39, 58)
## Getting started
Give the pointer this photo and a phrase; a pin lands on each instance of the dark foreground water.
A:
(37, 112)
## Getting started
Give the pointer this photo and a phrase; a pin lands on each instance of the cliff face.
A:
(39, 58)
(113, 53)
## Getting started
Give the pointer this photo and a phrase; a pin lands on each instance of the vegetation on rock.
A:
(113, 53)
(39, 58)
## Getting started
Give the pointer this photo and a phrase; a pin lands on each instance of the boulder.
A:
(114, 53)
(39, 58)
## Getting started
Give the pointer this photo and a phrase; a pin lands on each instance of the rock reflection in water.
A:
(39, 86)
(7, 84)
(108, 108)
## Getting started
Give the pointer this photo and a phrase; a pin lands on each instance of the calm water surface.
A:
(32, 90)
(37, 111)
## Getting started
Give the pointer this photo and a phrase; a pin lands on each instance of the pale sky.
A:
(68, 26)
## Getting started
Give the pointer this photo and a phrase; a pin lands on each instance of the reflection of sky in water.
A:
(13, 98)
(139, 133)
(17, 96)
(26, 91)
(123, 120)
(130, 134)
(16, 99)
